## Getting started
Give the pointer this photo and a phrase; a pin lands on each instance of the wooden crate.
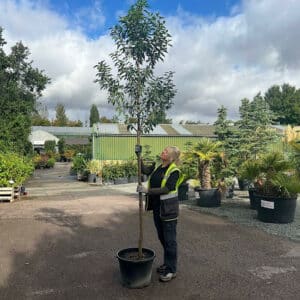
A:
(9, 194)
(17, 193)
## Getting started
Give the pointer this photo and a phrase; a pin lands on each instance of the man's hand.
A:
(141, 189)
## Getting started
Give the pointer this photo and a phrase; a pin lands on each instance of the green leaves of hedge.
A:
(14, 167)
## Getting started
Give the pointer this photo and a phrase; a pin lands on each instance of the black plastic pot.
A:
(254, 198)
(208, 198)
(132, 179)
(276, 210)
(92, 178)
(121, 180)
(135, 273)
(183, 192)
(243, 184)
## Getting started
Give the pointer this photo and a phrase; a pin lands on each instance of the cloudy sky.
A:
(223, 50)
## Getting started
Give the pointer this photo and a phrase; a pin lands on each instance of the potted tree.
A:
(278, 188)
(142, 40)
(206, 151)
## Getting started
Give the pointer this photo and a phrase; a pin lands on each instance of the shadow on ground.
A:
(67, 250)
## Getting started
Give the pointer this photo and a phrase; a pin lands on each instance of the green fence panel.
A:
(122, 147)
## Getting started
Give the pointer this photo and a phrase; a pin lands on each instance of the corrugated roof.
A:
(169, 128)
(200, 129)
(64, 130)
(158, 130)
(179, 128)
(161, 129)
(123, 129)
(38, 137)
(107, 128)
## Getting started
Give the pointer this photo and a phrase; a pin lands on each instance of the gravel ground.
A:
(238, 210)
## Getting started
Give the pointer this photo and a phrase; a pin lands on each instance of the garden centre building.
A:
(115, 142)
(112, 141)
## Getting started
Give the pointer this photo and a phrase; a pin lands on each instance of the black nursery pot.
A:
(277, 210)
(135, 273)
(208, 197)
(243, 184)
(254, 198)
(183, 192)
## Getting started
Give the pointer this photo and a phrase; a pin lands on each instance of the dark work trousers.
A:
(166, 231)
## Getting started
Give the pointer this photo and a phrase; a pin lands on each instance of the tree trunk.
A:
(205, 175)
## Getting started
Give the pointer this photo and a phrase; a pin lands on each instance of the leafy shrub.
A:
(50, 146)
(61, 146)
(40, 161)
(94, 166)
(69, 154)
(112, 170)
(130, 168)
(50, 163)
(86, 150)
(14, 167)
(79, 163)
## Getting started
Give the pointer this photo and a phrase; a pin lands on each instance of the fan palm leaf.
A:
(288, 185)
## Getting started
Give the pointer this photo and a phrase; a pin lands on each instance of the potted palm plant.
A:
(250, 171)
(206, 151)
(278, 188)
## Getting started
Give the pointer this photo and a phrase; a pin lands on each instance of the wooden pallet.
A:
(9, 194)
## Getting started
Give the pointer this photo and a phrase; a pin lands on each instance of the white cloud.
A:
(216, 61)
(222, 61)
(90, 17)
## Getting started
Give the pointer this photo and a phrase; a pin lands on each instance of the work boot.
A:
(167, 275)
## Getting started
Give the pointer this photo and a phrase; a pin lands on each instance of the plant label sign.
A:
(267, 204)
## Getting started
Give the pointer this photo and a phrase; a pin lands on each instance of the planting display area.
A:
(238, 210)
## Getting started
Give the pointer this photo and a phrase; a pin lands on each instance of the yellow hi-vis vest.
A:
(169, 206)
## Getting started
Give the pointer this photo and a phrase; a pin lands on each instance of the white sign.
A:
(267, 204)
(197, 194)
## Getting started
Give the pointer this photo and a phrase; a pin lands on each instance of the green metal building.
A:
(115, 142)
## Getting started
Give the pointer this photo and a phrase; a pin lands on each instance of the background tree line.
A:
(20, 86)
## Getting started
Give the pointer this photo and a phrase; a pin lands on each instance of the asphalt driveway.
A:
(60, 242)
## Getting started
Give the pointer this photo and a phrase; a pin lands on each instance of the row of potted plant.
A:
(274, 186)
(108, 172)
(42, 161)
(123, 172)
(274, 179)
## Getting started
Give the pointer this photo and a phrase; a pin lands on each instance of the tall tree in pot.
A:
(141, 40)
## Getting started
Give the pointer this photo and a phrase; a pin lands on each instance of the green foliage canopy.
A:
(284, 101)
(20, 86)
(141, 40)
